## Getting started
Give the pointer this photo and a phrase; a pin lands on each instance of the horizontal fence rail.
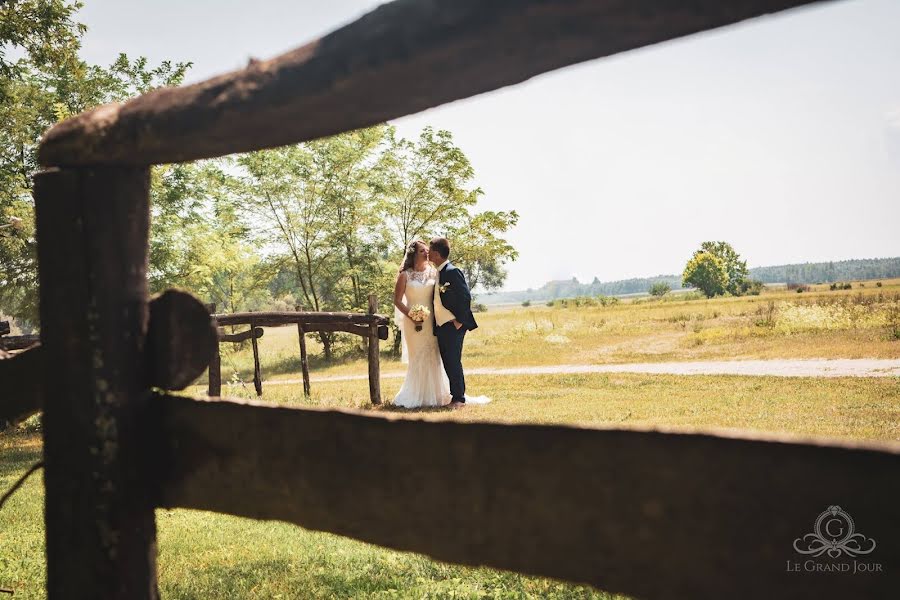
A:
(21, 389)
(401, 58)
(277, 319)
(648, 513)
(18, 342)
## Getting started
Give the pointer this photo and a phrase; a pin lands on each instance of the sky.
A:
(780, 135)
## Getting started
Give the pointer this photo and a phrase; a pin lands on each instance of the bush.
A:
(607, 300)
(478, 307)
(527, 303)
(766, 315)
(660, 288)
(878, 284)
(751, 287)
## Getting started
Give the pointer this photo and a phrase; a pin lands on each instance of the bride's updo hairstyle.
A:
(410, 259)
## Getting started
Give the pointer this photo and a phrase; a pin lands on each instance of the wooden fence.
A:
(652, 513)
(371, 327)
(15, 342)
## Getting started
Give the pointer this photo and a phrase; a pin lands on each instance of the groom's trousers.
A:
(450, 344)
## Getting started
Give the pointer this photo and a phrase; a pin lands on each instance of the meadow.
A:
(205, 555)
(862, 322)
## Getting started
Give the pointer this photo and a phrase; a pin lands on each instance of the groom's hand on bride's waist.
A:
(457, 324)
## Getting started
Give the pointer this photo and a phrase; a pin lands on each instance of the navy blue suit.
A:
(456, 298)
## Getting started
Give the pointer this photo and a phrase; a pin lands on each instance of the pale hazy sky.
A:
(779, 135)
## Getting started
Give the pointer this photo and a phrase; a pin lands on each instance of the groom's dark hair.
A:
(441, 245)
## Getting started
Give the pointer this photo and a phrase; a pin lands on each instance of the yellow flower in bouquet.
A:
(419, 313)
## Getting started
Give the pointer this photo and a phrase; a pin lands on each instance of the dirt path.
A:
(841, 367)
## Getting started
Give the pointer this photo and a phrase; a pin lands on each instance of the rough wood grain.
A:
(360, 330)
(241, 336)
(214, 373)
(374, 355)
(19, 342)
(647, 513)
(257, 373)
(401, 58)
(304, 359)
(278, 319)
(21, 386)
(92, 234)
(4, 328)
(181, 340)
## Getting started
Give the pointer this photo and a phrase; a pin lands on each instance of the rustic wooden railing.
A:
(656, 514)
(371, 326)
(15, 342)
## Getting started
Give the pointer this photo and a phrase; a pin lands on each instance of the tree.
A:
(706, 272)
(198, 240)
(424, 185)
(734, 266)
(660, 288)
(478, 249)
(46, 84)
(315, 204)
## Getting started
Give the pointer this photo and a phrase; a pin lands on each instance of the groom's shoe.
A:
(456, 404)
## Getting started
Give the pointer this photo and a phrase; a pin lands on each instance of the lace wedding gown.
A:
(426, 382)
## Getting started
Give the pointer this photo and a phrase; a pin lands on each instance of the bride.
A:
(426, 383)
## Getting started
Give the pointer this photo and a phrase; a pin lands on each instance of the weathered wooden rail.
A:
(371, 326)
(657, 514)
(15, 342)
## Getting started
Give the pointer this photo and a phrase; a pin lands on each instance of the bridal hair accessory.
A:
(419, 313)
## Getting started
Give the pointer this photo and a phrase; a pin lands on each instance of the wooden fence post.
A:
(214, 388)
(92, 231)
(304, 361)
(374, 360)
(257, 374)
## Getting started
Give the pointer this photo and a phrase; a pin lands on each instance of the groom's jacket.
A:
(456, 296)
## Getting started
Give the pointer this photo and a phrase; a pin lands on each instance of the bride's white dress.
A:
(426, 382)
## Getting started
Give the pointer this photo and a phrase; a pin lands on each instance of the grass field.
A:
(204, 555)
(863, 322)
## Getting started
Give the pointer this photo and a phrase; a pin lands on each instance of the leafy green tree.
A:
(707, 272)
(479, 250)
(660, 288)
(316, 208)
(47, 83)
(424, 185)
(734, 266)
(43, 30)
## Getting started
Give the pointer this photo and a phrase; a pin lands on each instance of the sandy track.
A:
(818, 367)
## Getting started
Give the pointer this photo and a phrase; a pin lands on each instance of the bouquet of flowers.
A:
(419, 313)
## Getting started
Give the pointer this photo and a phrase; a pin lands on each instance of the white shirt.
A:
(441, 314)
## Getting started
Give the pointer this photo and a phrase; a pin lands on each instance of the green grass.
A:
(206, 555)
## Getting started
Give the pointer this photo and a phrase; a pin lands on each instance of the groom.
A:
(453, 317)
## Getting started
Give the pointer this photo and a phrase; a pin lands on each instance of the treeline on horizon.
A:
(805, 273)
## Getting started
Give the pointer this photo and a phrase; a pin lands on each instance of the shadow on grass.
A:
(15, 460)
